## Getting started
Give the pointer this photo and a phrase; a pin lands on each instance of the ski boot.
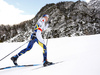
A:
(46, 63)
(14, 59)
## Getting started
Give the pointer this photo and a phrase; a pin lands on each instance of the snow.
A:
(80, 56)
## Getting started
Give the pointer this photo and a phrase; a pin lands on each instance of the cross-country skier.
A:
(36, 37)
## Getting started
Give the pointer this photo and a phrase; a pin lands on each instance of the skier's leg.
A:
(44, 50)
(14, 58)
(45, 62)
(30, 45)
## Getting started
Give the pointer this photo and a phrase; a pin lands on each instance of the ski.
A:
(47, 65)
(9, 67)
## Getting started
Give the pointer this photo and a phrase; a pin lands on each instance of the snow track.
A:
(81, 56)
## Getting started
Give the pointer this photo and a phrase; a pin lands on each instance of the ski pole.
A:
(47, 39)
(14, 50)
(46, 42)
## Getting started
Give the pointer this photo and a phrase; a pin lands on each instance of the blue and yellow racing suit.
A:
(40, 26)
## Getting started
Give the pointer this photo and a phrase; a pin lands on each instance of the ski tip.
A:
(9, 67)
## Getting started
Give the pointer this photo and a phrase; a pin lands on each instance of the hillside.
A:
(94, 4)
(68, 19)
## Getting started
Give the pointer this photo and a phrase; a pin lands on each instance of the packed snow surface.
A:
(80, 56)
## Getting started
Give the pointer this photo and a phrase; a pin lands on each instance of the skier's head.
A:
(46, 17)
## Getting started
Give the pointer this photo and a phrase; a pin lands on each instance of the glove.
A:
(49, 22)
(33, 36)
